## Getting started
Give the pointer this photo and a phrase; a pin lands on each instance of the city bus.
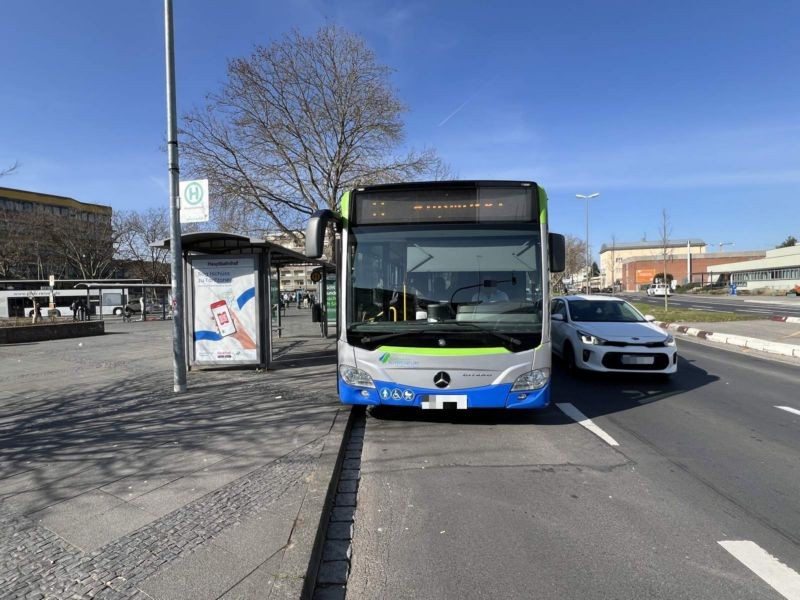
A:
(443, 293)
(17, 296)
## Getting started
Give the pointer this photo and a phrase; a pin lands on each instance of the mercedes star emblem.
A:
(441, 379)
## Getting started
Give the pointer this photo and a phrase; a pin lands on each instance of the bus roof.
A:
(445, 184)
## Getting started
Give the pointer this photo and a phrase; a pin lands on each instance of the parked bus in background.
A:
(17, 296)
(443, 293)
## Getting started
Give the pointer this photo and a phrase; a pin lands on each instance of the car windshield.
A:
(440, 278)
(611, 311)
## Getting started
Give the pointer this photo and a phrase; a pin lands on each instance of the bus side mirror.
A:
(315, 231)
(558, 252)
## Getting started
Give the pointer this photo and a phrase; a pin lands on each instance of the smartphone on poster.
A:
(222, 316)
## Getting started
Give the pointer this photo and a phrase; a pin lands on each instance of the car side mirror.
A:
(557, 317)
(649, 318)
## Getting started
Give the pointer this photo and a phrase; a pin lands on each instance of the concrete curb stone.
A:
(302, 556)
(741, 341)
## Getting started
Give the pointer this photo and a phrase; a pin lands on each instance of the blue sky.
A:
(689, 106)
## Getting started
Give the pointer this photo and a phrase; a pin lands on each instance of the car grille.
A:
(613, 360)
(640, 345)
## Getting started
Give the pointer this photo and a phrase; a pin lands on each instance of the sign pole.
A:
(176, 270)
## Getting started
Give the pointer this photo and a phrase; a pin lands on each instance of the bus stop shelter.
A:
(232, 297)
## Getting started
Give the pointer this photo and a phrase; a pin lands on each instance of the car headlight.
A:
(352, 376)
(532, 380)
(588, 338)
(669, 341)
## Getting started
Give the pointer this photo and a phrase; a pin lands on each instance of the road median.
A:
(736, 334)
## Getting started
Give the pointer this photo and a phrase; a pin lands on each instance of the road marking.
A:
(783, 580)
(580, 418)
(789, 409)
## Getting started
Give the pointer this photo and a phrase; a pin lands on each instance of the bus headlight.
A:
(532, 380)
(352, 376)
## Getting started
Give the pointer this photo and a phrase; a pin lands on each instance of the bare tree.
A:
(297, 123)
(134, 234)
(613, 258)
(664, 233)
(88, 252)
(574, 262)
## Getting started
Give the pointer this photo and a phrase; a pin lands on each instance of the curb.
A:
(785, 319)
(298, 570)
(734, 340)
(307, 539)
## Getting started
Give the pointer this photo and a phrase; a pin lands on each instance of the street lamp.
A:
(721, 244)
(588, 261)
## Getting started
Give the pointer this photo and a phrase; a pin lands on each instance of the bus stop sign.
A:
(194, 201)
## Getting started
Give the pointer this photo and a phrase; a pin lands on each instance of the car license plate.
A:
(444, 401)
(628, 359)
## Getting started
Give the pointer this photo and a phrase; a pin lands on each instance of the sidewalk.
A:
(113, 487)
(772, 337)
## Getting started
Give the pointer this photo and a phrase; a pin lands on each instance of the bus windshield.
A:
(448, 278)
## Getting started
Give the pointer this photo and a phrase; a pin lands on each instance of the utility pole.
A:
(176, 267)
(588, 254)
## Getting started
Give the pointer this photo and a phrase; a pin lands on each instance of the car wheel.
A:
(568, 356)
(117, 311)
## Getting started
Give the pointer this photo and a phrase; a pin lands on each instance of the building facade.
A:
(294, 277)
(614, 256)
(638, 272)
(778, 271)
(44, 234)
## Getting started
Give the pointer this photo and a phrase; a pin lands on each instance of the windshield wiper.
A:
(497, 334)
(387, 336)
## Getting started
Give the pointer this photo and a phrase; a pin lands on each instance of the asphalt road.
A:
(758, 307)
(511, 505)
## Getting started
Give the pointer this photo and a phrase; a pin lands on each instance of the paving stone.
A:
(343, 513)
(350, 474)
(340, 531)
(333, 572)
(336, 550)
(330, 592)
(345, 499)
(348, 485)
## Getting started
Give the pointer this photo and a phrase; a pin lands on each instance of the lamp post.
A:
(588, 259)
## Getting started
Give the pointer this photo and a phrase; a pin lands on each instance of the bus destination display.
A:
(432, 206)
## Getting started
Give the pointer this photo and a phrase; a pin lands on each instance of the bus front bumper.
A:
(489, 396)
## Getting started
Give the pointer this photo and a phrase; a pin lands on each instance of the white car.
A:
(659, 289)
(607, 334)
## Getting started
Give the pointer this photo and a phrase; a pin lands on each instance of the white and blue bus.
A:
(443, 293)
(17, 296)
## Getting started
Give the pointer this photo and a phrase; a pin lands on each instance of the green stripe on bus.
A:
(542, 206)
(344, 205)
(443, 351)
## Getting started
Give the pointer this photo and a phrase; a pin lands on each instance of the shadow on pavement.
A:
(598, 394)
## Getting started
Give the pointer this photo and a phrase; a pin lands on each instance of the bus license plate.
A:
(444, 401)
(627, 359)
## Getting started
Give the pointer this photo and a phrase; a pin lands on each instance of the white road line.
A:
(783, 580)
(580, 418)
(789, 409)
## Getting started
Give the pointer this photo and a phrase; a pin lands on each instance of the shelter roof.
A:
(222, 242)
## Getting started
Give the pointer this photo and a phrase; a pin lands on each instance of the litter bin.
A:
(316, 313)
(733, 289)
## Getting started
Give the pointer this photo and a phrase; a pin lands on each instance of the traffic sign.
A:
(194, 201)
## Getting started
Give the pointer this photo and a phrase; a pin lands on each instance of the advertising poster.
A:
(225, 315)
(645, 275)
